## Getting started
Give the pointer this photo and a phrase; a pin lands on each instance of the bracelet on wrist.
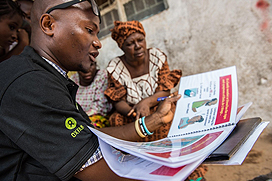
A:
(137, 128)
(142, 127)
(145, 128)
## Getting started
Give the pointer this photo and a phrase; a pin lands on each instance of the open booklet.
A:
(205, 116)
(131, 166)
(209, 101)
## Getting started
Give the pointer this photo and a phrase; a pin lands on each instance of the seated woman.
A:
(90, 94)
(138, 78)
(11, 19)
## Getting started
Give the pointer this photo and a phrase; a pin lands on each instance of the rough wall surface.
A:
(200, 36)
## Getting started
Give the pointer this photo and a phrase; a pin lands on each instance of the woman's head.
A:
(130, 37)
(9, 7)
(122, 30)
(11, 18)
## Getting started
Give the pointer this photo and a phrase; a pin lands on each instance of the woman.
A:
(90, 94)
(11, 19)
(138, 78)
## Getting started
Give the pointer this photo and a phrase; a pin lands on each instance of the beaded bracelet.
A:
(137, 128)
(142, 127)
(145, 128)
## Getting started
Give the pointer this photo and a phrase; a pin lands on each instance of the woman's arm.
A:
(162, 116)
(122, 107)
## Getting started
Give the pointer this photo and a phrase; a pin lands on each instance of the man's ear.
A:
(47, 24)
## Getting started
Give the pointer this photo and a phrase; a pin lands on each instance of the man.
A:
(43, 132)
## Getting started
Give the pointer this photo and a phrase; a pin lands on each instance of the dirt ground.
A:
(258, 162)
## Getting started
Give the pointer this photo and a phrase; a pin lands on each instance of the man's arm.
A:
(100, 169)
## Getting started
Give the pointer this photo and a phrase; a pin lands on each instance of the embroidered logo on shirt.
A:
(70, 123)
(77, 131)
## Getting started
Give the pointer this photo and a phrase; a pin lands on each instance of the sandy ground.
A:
(258, 162)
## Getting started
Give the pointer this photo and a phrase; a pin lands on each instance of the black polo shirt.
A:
(43, 133)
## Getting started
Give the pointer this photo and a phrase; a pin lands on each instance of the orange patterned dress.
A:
(132, 90)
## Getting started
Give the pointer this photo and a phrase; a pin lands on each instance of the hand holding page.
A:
(205, 116)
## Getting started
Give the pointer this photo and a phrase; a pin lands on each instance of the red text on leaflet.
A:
(225, 100)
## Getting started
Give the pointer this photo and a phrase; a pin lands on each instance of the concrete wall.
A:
(200, 36)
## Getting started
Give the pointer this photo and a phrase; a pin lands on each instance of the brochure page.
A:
(208, 101)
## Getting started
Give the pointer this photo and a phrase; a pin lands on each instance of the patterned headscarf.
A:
(122, 30)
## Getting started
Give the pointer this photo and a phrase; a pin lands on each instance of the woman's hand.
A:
(141, 109)
(164, 112)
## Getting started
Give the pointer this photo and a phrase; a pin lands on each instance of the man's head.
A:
(66, 36)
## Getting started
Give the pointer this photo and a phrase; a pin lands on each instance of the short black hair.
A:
(9, 7)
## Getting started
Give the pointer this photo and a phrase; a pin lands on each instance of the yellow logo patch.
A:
(70, 123)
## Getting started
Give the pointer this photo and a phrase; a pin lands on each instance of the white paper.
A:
(240, 155)
(211, 98)
(133, 167)
(241, 111)
(166, 151)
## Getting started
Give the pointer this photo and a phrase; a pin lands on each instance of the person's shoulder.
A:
(15, 67)
(102, 72)
(26, 66)
(26, 61)
(157, 56)
(157, 53)
(156, 50)
(114, 60)
(114, 64)
(74, 77)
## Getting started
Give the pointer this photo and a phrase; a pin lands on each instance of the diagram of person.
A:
(184, 122)
(190, 92)
(207, 102)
